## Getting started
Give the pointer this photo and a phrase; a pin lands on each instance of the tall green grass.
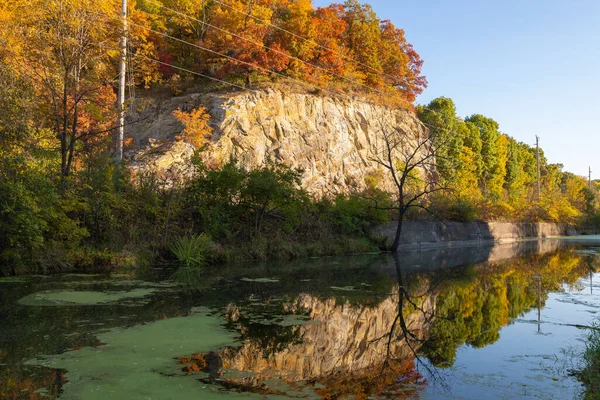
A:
(590, 374)
(192, 254)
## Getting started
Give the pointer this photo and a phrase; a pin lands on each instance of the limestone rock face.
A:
(329, 138)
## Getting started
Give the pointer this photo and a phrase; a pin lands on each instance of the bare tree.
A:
(408, 156)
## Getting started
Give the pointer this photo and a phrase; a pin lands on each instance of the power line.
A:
(268, 48)
(239, 86)
(259, 67)
(256, 43)
(397, 79)
(244, 88)
(189, 71)
(271, 49)
(231, 58)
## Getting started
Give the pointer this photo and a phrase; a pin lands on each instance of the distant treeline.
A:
(492, 176)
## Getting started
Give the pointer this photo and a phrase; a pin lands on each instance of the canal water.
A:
(508, 321)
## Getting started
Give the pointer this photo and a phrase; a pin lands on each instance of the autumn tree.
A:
(196, 129)
(331, 53)
(65, 52)
(342, 44)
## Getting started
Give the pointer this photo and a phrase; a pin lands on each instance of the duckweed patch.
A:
(15, 279)
(345, 288)
(140, 362)
(86, 298)
(261, 280)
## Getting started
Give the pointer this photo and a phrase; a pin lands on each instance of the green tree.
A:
(448, 130)
(490, 155)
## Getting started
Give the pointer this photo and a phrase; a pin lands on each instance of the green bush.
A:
(356, 214)
(191, 253)
(454, 210)
(33, 216)
(231, 202)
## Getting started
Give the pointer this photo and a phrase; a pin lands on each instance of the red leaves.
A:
(341, 43)
(197, 363)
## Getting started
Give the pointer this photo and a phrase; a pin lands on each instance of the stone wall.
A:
(455, 234)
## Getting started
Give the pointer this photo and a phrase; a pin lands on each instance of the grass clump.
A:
(192, 254)
(590, 374)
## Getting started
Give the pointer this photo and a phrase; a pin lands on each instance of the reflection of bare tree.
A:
(339, 352)
(377, 348)
(408, 302)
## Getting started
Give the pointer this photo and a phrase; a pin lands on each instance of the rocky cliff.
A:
(329, 138)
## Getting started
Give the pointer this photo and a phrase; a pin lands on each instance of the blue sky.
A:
(532, 65)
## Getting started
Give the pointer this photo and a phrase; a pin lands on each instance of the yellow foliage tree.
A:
(196, 130)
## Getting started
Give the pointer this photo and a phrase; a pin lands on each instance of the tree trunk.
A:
(396, 243)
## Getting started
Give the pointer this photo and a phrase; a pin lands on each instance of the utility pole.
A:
(537, 156)
(590, 179)
(122, 76)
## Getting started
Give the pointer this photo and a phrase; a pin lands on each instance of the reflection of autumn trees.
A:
(473, 307)
(399, 378)
(390, 348)
(13, 386)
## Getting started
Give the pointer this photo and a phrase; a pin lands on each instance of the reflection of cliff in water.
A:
(337, 338)
(348, 348)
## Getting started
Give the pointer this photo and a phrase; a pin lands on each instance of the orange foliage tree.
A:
(196, 130)
(339, 44)
(63, 50)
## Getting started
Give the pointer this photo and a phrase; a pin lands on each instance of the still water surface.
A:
(503, 322)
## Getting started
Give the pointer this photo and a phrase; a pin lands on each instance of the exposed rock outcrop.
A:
(329, 138)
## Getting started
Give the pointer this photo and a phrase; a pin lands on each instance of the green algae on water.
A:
(261, 280)
(139, 362)
(15, 279)
(86, 298)
(345, 288)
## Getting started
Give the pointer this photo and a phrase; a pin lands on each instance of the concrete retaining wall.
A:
(456, 234)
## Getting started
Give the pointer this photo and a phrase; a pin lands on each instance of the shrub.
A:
(231, 202)
(448, 209)
(34, 215)
(590, 373)
(355, 214)
(196, 130)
